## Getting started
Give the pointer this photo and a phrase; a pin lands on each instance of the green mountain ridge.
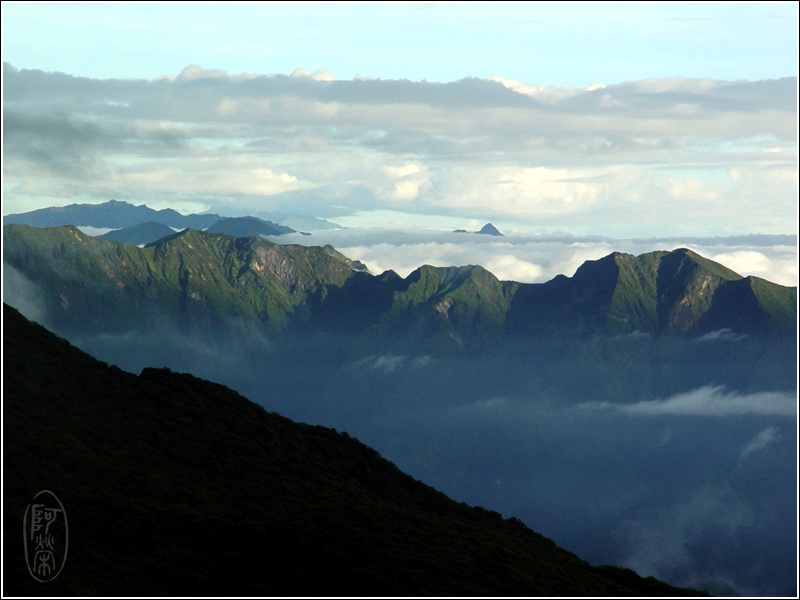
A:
(178, 486)
(195, 280)
(200, 281)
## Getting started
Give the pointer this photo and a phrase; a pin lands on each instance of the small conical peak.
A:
(489, 229)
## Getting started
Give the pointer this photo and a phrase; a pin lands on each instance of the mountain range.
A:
(136, 224)
(177, 486)
(199, 281)
(114, 214)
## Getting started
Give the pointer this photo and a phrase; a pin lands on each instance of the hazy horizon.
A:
(619, 120)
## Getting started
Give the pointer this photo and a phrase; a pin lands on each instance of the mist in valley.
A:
(674, 458)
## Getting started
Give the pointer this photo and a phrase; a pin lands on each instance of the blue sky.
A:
(548, 43)
(623, 120)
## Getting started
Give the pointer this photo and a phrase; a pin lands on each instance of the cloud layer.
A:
(713, 401)
(653, 157)
(537, 258)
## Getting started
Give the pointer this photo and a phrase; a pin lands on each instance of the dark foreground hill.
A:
(177, 486)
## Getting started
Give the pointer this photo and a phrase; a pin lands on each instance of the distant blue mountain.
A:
(248, 227)
(115, 214)
(487, 229)
(123, 216)
(139, 235)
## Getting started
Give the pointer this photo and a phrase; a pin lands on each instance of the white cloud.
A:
(389, 363)
(692, 190)
(747, 260)
(95, 231)
(776, 263)
(708, 401)
(400, 171)
(318, 75)
(406, 190)
(511, 268)
(664, 544)
(543, 191)
(721, 335)
(421, 361)
(532, 258)
(23, 294)
(410, 180)
(197, 72)
(656, 157)
(764, 438)
(543, 93)
(780, 270)
(210, 176)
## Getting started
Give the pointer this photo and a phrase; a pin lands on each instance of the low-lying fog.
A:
(695, 485)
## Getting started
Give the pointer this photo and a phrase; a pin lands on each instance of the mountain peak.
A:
(675, 293)
(248, 227)
(489, 229)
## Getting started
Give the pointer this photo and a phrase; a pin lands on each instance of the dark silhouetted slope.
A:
(178, 486)
(686, 286)
(752, 305)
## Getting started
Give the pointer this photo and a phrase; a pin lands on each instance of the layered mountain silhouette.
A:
(200, 281)
(151, 231)
(177, 486)
(136, 224)
(115, 214)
